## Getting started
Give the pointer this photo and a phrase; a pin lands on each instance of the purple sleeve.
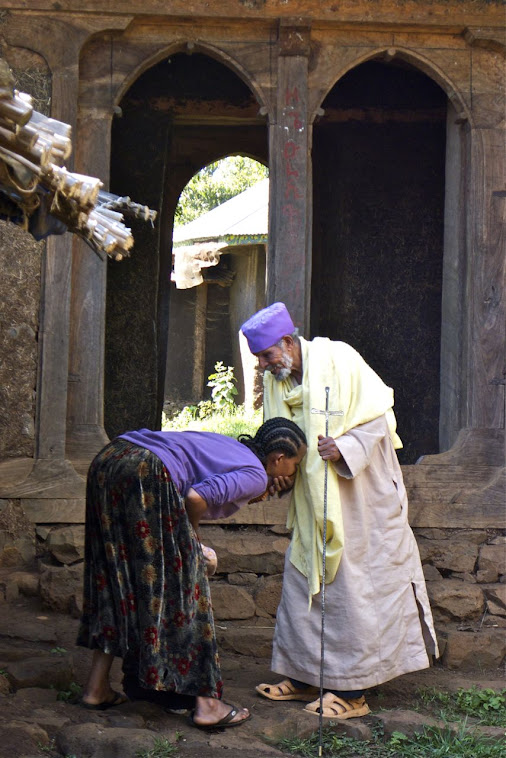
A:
(226, 493)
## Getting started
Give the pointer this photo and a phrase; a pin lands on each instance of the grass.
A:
(431, 743)
(162, 748)
(202, 418)
(485, 706)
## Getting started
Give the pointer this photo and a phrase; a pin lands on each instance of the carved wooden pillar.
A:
(486, 284)
(289, 255)
(85, 407)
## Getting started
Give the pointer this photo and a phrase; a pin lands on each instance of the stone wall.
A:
(20, 262)
(464, 569)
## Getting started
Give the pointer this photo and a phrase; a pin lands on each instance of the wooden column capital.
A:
(294, 36)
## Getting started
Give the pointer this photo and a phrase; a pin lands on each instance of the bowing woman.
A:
(146, 592)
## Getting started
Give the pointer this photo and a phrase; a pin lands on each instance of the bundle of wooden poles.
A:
(33, 151)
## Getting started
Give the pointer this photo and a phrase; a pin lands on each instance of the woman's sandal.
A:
(285, 690)
(335, 707)
(224, 723)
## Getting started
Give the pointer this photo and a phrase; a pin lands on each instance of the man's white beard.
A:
(284, 372)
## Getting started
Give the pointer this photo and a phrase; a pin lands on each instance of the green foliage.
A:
(47, 748)
(430, 743)
(220, 414)
(487, 705)
(58, 651)
(162, 748)
(215, 184)
(441, 743)
(223, 384)
(73, 693)
(239, 421)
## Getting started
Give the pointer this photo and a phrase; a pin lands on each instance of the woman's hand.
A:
(328, 449)
(210, 559)
(281, 484)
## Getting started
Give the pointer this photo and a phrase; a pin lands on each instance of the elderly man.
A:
(378, 621)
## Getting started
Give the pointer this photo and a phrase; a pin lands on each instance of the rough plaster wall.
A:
(20, 258)
(20, 263)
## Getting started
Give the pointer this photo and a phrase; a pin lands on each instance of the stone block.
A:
(247, 552)
(431, 573)
(471, 650)
(66, 544)
(491, 562)
(17, 537)
(253, 641)
(231, 602)
(451, 599)
(243, 579)
(496, 599)
(456, 554)
(50, 670)
(92, 739)
(20, 738)
(28, 583)
(61, 587)
(267, 593)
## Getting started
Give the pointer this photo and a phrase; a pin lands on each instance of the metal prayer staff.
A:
(327, 413)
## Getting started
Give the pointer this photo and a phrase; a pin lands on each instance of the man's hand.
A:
(328, 449)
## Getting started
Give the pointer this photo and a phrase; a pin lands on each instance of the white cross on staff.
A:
(327, 413)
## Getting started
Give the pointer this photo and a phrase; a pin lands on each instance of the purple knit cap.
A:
(266, 327)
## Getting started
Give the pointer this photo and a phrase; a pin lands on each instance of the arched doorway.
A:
(181, 114)
(219, 276)
(379, 160)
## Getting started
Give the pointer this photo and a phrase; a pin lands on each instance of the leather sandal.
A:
(335, 707)
(285, 690)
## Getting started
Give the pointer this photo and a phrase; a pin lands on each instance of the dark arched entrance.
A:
(379, 196)
(180, 115)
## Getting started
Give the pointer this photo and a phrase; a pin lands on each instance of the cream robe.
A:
(359, 395)
(378, 619)
(378, 623)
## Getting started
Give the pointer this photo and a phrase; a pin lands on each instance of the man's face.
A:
(277, 360)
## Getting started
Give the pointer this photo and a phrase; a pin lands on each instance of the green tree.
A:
(215, 184)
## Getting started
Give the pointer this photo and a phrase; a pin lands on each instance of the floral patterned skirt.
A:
(146, 592)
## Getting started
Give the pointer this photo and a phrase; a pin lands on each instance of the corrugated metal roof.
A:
(243, 216)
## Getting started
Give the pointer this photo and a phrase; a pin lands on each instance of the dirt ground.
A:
(25, 623)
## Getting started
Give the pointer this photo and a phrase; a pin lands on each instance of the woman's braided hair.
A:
(277, 434)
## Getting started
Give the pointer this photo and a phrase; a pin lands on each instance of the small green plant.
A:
(487, 705)
(49, 748)
(224, 390)
(58, 651)
(72, 694)
(162, 748)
